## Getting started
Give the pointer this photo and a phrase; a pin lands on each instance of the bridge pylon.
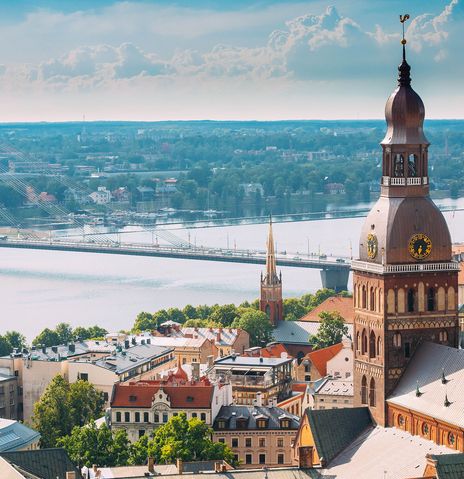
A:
(335, 278)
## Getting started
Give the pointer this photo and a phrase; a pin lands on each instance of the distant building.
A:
(75, 195)
(169, 185)
(335, 188)
(258, 436)
(271, 285)
(330, 393)
(251, 189)
(8, 394)
(45, 197)
(101, 197)
(252, 377)
(121, 195)
(145, 193)
(141, 407)
(335, 304)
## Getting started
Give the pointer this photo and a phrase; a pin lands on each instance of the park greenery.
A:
(64, 406)
(63, 333)
(179, 438)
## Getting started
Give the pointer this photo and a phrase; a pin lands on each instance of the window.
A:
(146, 417)
(307, 368)
(262, 442)
(443, 336)
(221, 424)
(285, 423)
(194, 414)
(235, 442)
(165, 417)
(372, 345)
(83, 376)
(157, 417)
(425, 429)
(262, 458)
(407, 350)
(137, 417)
(141, 433)
(118, 417)
(364, 342)
(280, 442)
(280, 459)
(175, 414)
(248, 459)
(451, 439)
(398, 166)
(379, 346)
(372, 299)
(364, 390)
(372, 393)
(248, 442)
(236, 457)
(400, 420)
(127, 417)
(203, 416)
(307, 378)
(411, 300)
(431, 299)
(105, 397)
(261, 423)
(412, 166)
(222, 439)
(397, 340)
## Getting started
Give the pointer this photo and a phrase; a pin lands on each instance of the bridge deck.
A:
(204, 254)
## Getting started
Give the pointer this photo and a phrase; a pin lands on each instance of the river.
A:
(43, 288)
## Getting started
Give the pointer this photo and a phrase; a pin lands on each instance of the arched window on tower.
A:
(363, 297)
(372, 393)
(364, 342)
(372, 299)
(443, 336)
(268, 310)
(412, 166)
(431, 299)
(364, 390)
(411, 300)
(358, 342)
(398, 166)
(372, 342)
(397, 340)
(379, 346)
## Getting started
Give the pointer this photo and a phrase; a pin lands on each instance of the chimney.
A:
(126, 344)
(148, 340)
(71, 475)
(44, 349)
(134, 341)
(151, 464)
(55, 349)
(218, 337)
(259, 399)
(210, 360)
(72, 348)
(180, 466)
(143, 342)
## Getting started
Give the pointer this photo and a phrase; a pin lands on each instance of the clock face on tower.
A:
(372, 245)
(420, 246)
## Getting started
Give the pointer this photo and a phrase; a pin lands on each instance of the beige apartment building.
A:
(258, 436)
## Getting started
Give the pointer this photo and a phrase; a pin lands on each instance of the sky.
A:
(224, 59)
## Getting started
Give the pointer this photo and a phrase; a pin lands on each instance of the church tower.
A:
(405, 281)
(271, 285)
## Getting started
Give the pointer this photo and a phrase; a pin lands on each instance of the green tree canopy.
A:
(15, 339)
(331, 330)
(144, 322)
(63, 406)
(189, 440)
(256, 324)
(47, 337)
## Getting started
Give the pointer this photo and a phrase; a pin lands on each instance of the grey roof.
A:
(127, 359)
(425, 370)
(335, 387)
(251, 361)
(299, 332)
(251, 413)
(15, 436)
(449, 466)
(44, 463)
(348, 423)
(383, 453)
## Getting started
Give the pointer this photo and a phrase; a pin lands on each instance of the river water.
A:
(42, 288)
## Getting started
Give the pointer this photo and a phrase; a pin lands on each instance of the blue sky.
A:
(223, 59)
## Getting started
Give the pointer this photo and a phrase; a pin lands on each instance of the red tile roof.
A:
(342, 305)
(320, 357)
(184, 395)
(299, 387)
(271, 351)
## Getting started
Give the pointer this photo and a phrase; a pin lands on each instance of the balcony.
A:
(403, 268)
(413, 181)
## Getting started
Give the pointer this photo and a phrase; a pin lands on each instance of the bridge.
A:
(334, 271)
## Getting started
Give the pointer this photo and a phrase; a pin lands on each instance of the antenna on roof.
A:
(418, 391)
(443, 377)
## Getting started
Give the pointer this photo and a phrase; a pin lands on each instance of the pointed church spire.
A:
(271, 268)
(404, 77)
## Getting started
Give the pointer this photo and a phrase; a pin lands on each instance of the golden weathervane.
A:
(403, 19)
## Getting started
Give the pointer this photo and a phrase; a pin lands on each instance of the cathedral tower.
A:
(404, 282)
(271, 284)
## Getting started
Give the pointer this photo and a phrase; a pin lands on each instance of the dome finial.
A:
(404, 78)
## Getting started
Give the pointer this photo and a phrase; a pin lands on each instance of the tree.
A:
(189, 440)
(15, 339)
(331, 330)
(256, 324)
(5, 347)
(224, 314)
(138, 453)
(90, 445)
(321, 295)
(144, 322)
(63, 406)
(190, 311)
(64, 332)
(47, 337)
(294, 309)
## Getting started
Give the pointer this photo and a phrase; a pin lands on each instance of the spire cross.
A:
(403, 19)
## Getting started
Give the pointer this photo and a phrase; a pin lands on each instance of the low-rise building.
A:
(329, 393)
(257, 435)
(270, 377)
(141, 407)
(15, 436)
(226, 340)
(101, 197)
(335, 304)
(8, 394)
